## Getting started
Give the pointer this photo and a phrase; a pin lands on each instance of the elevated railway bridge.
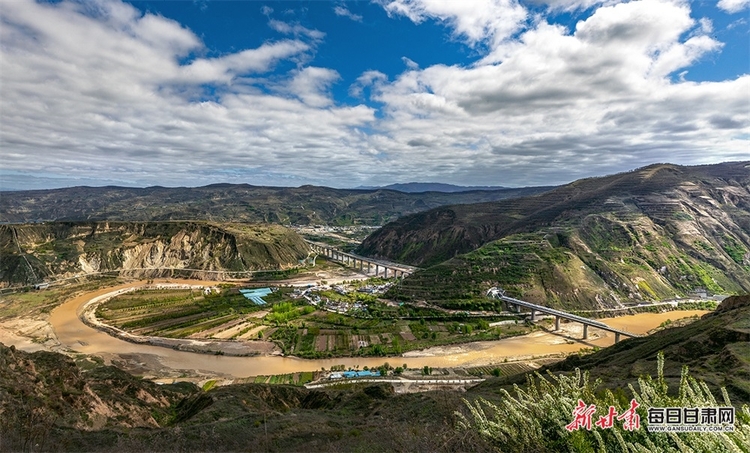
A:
(367, 265)
(516, 305)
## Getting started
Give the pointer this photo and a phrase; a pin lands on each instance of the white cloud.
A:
(410, 64)
(101, 91)
(295, 29)
(374, 79)
(733, 6)
(311, 86)
(344, 12)
(596, 97)
(226, 68)
(572, 5)
(94, 95)
(476, 21)
(707, 26)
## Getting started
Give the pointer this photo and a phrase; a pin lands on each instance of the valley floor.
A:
(63, 331)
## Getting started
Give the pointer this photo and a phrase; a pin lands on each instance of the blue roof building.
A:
(256, 295)
(355, 374)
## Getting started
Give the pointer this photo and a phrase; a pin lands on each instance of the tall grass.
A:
(535, 419)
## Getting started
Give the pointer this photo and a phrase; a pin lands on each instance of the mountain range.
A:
(304, 205)
(656, 232)
(416, 187)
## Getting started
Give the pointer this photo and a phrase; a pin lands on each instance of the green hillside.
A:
(658, 232)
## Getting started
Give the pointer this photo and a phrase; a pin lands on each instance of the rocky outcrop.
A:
(32, 253)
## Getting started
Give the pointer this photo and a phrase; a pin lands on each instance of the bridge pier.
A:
(385, 273)
(557, 323)
(585, 331)
(533, 315)
(377, 270)
(617, 337)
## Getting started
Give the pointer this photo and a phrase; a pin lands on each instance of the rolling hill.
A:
(653, 233)
(415, 187)
(304, 205)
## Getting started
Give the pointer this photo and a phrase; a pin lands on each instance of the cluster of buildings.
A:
(327, 304)
(342, 307)
(207, 291)
(375, 289)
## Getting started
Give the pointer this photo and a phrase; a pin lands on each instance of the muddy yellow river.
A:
(77, 336)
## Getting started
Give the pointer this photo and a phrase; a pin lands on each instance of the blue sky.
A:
(342, 94)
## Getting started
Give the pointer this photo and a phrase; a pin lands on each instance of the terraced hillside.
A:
(32, 253)
(653, 233)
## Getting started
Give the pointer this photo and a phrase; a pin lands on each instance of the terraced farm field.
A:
(503, 369)
(184, 313)
(288, 379)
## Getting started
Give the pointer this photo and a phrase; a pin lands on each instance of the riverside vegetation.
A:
(298, 328)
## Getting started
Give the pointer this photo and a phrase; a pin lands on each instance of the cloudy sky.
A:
(342, 94)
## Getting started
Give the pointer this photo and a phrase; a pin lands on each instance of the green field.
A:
(300, 329)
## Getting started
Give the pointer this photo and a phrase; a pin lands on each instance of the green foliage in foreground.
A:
(535, 419)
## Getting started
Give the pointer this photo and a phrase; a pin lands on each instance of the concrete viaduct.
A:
(516, 305)
(365, 265)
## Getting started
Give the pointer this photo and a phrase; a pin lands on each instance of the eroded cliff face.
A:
(32, 253)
